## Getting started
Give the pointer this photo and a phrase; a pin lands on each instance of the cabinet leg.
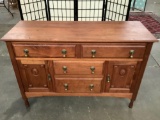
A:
(131, 104)
(26, 103)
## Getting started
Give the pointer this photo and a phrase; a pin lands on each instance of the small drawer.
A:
(44, 50)
(78, 67)
(113, 51)
(78, 85)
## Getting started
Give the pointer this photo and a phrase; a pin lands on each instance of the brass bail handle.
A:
(65, 86)
(131, 53)
(26, 52)
(93, 52)
(64, 69)
(64, 52)
(92, 69)
(91, 86)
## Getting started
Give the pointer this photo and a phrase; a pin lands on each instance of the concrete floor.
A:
(153, 6)
(146, 107)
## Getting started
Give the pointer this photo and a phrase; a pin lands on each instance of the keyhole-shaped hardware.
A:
(93, 52)
(92, 69)
(49, 77)
(131, 53)
(26, 52)
(91, 86)
(65, 86)
(64, 69)
(108, 78)
(64, 52)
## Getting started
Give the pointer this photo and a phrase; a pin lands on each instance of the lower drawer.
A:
(78, 85)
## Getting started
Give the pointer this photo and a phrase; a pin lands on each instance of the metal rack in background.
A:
(61, 10)
(33, 10)
(2, 4)
(135, 7)
(90, 10)
(117, 10)
(75, 10)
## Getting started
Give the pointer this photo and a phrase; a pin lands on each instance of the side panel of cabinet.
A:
(35, 76)
(120, 76)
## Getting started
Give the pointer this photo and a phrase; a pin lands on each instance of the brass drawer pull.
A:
(91, 86)
(26, 52)
(92, 69)
(64, 69)
(93, 52)
(64, 52)
(65, 86)
(131, 53)
(108, 78)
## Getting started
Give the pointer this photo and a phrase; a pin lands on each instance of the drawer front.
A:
(43, 50)
(78, 67)
(78, 85)
(113, 51)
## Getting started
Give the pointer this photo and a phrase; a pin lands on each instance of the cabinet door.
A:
(35, 76)
(120, 76)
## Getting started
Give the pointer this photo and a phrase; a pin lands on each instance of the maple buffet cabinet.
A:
(79, 58)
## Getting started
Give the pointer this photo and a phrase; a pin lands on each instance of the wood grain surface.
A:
(115, 70)
(79, 32)
(43, 50)
(78, 67)
(114, 50)
(78, 85)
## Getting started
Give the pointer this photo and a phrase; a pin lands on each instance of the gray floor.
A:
(153, 6)
(146, 107)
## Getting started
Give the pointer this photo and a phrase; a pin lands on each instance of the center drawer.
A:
(78, 85)
(78, 67)
(44, 50)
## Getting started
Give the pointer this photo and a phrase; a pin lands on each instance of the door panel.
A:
(35, 76)
(120, 76)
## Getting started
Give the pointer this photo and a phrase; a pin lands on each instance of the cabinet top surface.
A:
(130, 31)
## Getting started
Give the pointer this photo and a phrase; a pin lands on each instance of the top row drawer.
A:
(44, 50)
(112, 50)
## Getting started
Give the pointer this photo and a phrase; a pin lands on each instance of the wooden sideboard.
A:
(79, 58)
